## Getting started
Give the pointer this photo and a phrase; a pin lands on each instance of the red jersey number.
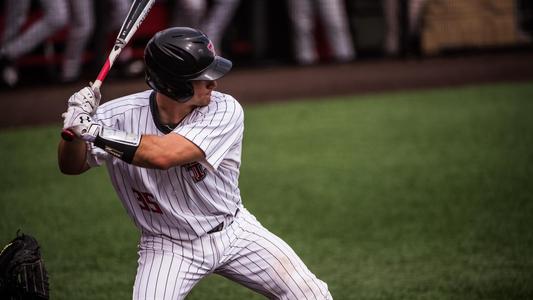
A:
(147, 202)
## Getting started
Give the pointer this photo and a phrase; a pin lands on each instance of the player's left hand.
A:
(80, 123)
(87, 99)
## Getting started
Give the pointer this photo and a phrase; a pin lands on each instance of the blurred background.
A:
(400, 168)
(61, 41)
(307, 47)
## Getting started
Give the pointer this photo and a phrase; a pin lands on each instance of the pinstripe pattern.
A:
(244, 252)
(189, 209)
(176, 208)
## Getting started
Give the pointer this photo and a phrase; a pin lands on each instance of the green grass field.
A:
(414, 195)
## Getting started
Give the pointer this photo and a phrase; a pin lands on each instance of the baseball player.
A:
(213, 19)
(77, 14)
(173, 155)
(332, 14)
(15, 44)
(391, 10)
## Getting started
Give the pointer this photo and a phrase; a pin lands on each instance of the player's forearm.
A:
(148, 151)
(72, 157)
(163, 152)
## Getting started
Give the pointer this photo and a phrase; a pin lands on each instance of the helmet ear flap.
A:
(185, 92)
(178, 91)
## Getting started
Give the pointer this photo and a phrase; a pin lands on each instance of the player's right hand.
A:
(80, 123)
(87, 99)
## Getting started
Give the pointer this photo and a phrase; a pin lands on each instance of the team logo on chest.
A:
(196, 170)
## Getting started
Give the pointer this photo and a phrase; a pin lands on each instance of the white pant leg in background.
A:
(16, 12)
(189, 13)
(391, 12)
(55, 16)
(217, 20)
(415, 9)
(81, 27)
(212, 20)
(336, 29)
(119, 10)
(302, 18)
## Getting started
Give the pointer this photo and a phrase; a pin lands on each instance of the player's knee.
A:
(298, 284)
(313, 288)
(306, 290)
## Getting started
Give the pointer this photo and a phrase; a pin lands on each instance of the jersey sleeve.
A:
(216, 130)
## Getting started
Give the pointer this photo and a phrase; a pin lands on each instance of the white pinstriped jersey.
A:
(183, 202)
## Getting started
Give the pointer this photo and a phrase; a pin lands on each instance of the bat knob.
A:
(67, 135)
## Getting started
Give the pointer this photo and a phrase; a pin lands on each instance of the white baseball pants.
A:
(244, 252)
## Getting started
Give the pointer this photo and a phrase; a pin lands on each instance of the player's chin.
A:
(207, 98)
(204, 101)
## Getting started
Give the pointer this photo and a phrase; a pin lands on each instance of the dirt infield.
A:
(28, 106)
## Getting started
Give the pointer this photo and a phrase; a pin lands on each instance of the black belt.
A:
(220, 226)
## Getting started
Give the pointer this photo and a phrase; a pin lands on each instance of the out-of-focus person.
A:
(16, 44)
(393, 32)
(77, 14)
(81, 27)
(111, 14)
(211, 18)
(334, 20)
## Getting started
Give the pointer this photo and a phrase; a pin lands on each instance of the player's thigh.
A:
(265, 263)
(164, 275)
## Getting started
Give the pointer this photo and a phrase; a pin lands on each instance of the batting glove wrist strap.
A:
(81, 124)
(118, 143)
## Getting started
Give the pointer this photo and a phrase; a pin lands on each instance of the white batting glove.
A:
(80, 123)
(87, 99)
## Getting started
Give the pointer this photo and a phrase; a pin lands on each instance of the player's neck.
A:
(170, 111)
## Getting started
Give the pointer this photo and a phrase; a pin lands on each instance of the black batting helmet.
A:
(178, 55)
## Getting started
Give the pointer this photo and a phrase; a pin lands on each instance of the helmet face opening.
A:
(177, 55)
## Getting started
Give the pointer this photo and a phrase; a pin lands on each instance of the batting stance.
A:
(173, 155)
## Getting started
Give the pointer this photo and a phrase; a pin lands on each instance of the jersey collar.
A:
(164, 128)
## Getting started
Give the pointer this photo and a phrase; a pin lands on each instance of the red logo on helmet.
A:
(211, 48)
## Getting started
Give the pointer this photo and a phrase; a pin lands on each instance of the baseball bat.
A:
(138, 11)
